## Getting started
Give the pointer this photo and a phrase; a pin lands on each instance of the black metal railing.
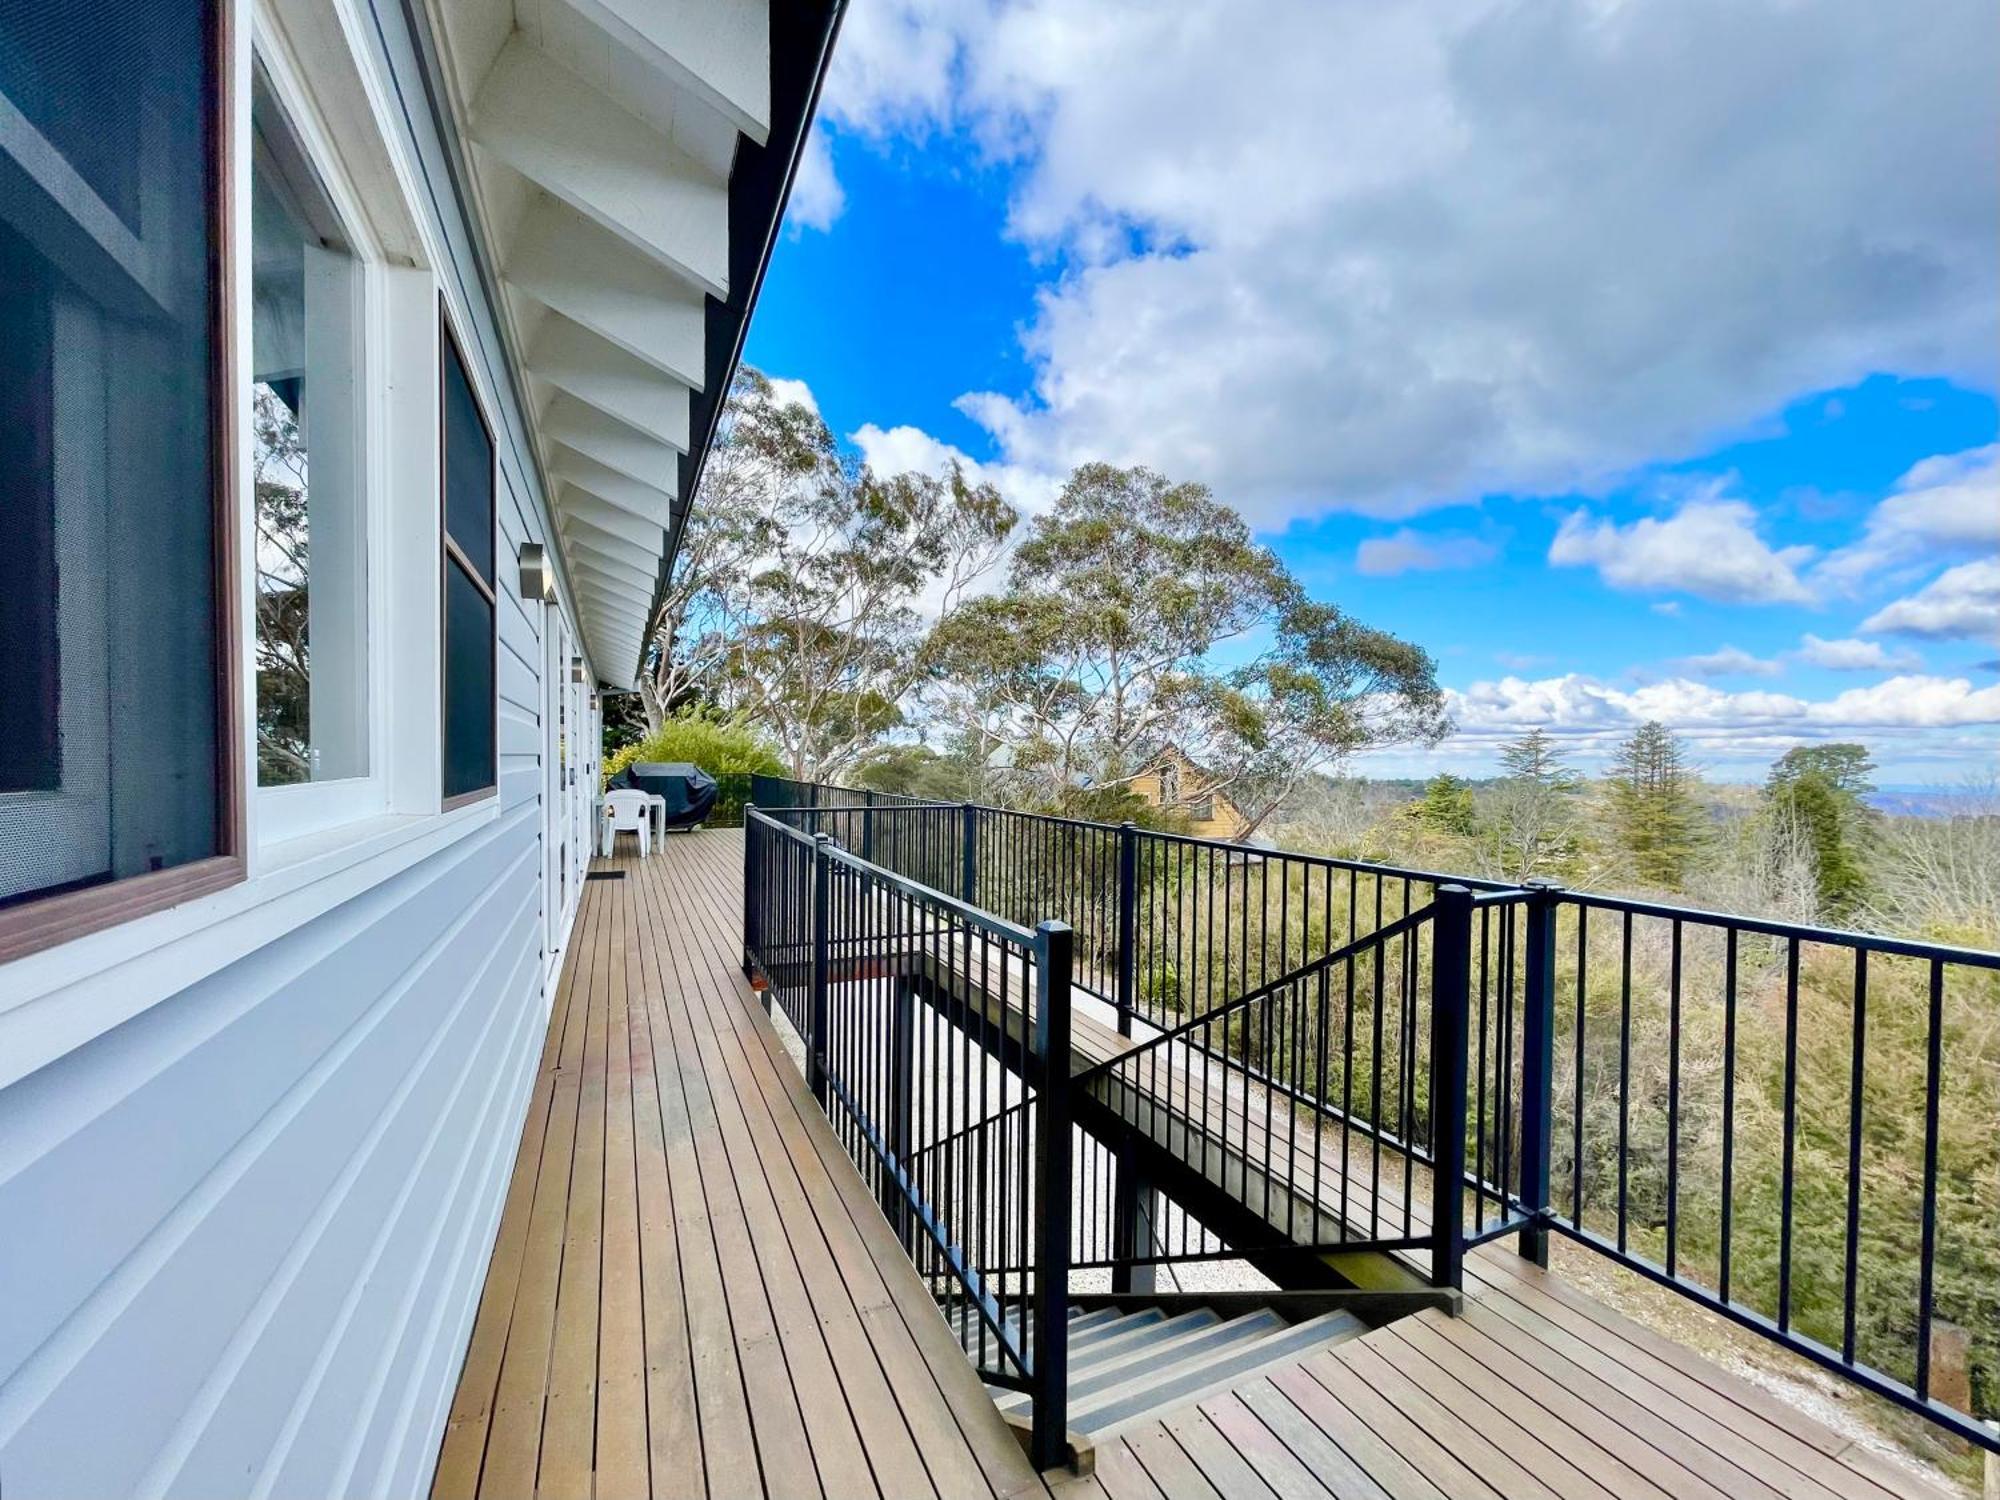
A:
(957, 1119)
(1750, 1112)
(784, 793)
(1316, 1097)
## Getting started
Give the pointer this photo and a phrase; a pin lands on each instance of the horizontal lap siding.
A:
(242, 1235)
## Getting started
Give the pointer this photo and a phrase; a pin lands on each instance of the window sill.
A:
(61, 997)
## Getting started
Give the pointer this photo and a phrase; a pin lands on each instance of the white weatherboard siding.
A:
(255, 1217)
(245, 1214)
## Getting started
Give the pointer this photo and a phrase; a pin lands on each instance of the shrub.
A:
(720, 746)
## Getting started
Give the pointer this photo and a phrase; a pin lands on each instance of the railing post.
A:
(1133, 1211)
(1049, 1441)
(1538, 1039)
(822, 912)
(1451, 981)
(753, 900)
(968, 853)
(1128, 924)
(868, 828)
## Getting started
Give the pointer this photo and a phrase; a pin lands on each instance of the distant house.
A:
(1173, 782)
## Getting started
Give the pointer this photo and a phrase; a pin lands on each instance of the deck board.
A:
(693, 1293)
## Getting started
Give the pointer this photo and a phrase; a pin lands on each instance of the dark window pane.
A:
(28, 677)
(468, 684)
(111, 750)
(468, 468)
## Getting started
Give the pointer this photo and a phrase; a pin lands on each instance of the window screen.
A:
(111, 750)
(469, 726)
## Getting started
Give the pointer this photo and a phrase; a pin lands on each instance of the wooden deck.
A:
(693, 1295)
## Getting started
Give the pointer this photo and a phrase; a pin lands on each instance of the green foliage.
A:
(1653, 805)
(1446, 805)
(917, 771)
(1844, 768)
(1819, 790)
(1101, 649)
(1532, 813)
(721, 746)
(803, 598)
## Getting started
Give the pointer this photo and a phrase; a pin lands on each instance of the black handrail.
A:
(1561, 990)
(849, 951)
(1264, 991)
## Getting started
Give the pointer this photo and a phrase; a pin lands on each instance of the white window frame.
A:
(327, 109)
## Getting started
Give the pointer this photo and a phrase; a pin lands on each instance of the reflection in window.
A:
(470, 733)
(111, 743)
(312, 690)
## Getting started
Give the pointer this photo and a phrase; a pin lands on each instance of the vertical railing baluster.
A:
(1853, 1258)
(1728, 1110)
(1791, 1130)
(968, 854)
(1538, 1067)
(1451, 981)
(1927, 1256)
(1049, 1438)
(816, 1038)
(1128, 923)
(1674, 1103)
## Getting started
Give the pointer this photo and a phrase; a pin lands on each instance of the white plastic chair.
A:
(628, 812)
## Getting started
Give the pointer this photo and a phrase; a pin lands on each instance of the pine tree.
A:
(1447, 804)
(1654, 806)
(1820, 789)
(1533, 809)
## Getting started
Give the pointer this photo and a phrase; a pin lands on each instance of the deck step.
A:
(1187, 1343)
(1134, 1332)
(1126, 1364)
(1152, 1385)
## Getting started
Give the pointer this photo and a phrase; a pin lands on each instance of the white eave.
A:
(600, 137)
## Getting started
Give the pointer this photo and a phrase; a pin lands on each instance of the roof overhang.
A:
(625, 166)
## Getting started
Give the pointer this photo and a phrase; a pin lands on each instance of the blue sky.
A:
(1702, 431)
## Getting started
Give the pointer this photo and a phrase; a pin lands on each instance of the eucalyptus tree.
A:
(767, 457)
(1139, 612)
(807, 584)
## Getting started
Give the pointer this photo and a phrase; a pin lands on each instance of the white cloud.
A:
(1708, 547)
(1405, 551)
(1962, 603)
(896, 64)
(817, 197)
(901, 450)
(793, 393)
(1943, 715)
(1729, 661)
(1944, 506)
(1855, 656)
(1347, 255)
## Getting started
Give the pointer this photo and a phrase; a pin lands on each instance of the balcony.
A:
(863, 1226)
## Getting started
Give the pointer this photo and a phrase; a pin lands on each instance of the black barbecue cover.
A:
(688, 789)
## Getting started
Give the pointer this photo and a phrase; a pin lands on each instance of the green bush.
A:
(720, 746)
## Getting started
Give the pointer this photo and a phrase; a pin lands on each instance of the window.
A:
(470, 727)
(116, 696)
(308, 479)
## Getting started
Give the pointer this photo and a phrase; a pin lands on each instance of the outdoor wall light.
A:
(576, 669)
(538, 579)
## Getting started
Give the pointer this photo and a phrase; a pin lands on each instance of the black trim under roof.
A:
(802, 38)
